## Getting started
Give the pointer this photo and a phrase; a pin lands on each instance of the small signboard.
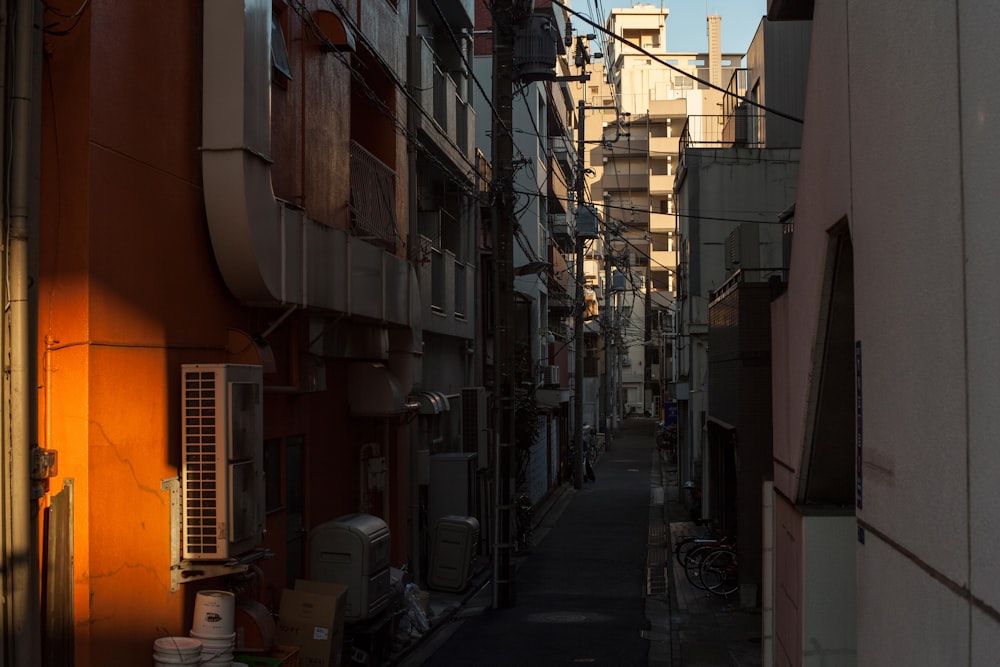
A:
(670, 413)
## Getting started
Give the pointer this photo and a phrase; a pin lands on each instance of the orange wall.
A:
(129, 291)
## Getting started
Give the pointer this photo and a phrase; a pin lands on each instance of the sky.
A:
(686, 27)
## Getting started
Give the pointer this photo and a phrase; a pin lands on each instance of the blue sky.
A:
(686, 29)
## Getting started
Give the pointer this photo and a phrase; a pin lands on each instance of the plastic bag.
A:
(418, 617)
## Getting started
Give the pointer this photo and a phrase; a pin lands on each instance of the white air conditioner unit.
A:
(223, 451)
(474, 424)
(550, 375)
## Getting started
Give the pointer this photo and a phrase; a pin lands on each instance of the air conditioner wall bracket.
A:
(184, 571)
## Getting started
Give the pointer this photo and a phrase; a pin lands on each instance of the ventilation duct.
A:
(374, 391)
(271, 253)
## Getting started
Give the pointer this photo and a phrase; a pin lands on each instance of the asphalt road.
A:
(580, 592)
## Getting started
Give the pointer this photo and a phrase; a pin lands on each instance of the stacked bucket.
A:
(214, 627)
(171, 651)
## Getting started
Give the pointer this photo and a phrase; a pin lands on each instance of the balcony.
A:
(558, 190)
(562, 231)
(662, 222)
(663, 109)
(373, 199)
(484, 171)
(618, 181)
(635, 147)
(447, 286)
(664, 145)
(661, 184)
(564, 152)
(663, 260)
(741, 129)
(451, 125)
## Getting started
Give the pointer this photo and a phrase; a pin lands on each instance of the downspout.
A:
(413, 440)
(22, 616)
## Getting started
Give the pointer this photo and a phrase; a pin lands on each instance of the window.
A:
(279, 53)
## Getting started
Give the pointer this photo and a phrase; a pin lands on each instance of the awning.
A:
(335, 29)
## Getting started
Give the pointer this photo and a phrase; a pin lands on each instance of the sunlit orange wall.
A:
(129, 291)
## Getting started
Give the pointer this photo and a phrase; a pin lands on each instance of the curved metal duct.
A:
(269, 252)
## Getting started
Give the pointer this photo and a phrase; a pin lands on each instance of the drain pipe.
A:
(22, 616)
(415, 555)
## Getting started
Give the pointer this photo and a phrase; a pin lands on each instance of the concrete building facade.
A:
(885, 522)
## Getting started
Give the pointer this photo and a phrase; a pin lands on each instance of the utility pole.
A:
(580, 302)
(608, 330)
(504, 571)
(583, 57)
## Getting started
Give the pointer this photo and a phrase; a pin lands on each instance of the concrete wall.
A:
(925, 250)
(828, 578)
(129, 290)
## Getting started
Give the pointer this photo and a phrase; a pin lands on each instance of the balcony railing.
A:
(740, 129)
(444, 97)
(484, 176)
(373, 199)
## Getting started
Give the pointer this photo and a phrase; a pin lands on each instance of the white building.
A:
(654, 90)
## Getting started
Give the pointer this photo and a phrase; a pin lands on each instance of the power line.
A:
(694, 77)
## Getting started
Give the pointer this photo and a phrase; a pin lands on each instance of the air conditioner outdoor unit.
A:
(222, 468)
(550, 375)
(474, 424)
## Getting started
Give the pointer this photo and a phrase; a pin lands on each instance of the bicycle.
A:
(589, 454)
(711, 536)
(713, 568)
(719, 572)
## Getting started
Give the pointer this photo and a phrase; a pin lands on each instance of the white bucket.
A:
(214, 614)
(176, 651)
(216, 650)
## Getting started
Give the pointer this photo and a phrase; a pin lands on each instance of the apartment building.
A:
(737, 179)
(651, 92)
(257, 232)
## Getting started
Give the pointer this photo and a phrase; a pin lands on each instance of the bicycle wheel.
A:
(684, 547)
(718, 572)
(692, 565)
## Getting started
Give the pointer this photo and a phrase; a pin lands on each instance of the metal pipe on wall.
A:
(22, 617)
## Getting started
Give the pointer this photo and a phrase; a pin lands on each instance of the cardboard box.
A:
(279, 656)
(312, 617)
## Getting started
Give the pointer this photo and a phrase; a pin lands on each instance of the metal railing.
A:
(373, 198)
(740, 129)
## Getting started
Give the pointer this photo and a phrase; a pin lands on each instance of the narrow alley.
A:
(599, 586)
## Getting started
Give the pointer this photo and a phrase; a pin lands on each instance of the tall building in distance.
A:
(644, 98)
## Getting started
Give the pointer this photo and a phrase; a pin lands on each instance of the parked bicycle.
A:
(666, 441)
(589, 454)
(719, 572)
(710, 536)
(713, 568)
